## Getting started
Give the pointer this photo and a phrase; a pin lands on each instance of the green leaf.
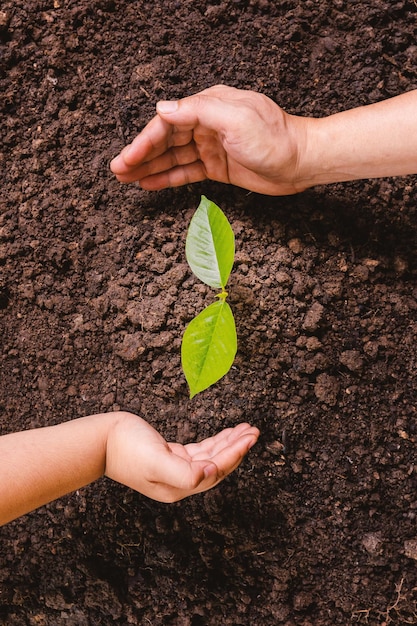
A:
(209, 346)
(210, 245)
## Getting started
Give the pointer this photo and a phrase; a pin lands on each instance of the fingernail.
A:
(167, 106)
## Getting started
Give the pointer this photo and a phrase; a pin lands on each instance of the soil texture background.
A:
(318, 526)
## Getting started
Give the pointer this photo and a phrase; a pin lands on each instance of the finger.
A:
(207, 448)
(163, 164)
(152, 141)
(178, 156)
(205, 109)
(174, 471)
(177, 468)
(147, 145)
(176, 485)
(229, 457)
(213, 445)
(184, 175)
(224, 463)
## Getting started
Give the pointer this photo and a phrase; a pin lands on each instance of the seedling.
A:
(209, 343)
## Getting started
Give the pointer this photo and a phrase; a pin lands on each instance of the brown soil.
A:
(318, 526)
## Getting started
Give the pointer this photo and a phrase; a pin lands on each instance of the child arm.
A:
(40, 465)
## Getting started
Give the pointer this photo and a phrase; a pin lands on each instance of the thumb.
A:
(184, 474)
(203, 109)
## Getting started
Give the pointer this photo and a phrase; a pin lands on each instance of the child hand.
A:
(222, 133)
(137, 456)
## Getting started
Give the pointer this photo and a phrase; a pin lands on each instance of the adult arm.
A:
(244, 138)
(371, 141)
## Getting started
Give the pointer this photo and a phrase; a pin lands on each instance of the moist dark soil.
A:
(318, 525)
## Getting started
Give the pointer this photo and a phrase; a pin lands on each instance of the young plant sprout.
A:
(209, 343)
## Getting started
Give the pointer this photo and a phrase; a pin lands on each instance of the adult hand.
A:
(222, 133)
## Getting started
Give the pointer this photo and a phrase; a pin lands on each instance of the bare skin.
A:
(244, 138)
(40, 465)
